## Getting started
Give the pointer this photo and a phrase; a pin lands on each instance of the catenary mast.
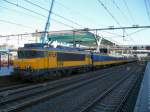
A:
(47, 26)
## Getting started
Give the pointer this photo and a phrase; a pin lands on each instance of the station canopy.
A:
(83, 38)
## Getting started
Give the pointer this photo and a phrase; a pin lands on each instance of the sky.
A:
(81, 14)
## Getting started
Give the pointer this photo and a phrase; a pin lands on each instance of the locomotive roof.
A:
(63, 49)
(41, 47)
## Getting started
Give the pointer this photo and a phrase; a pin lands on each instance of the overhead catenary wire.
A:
(104, 29)
(116, 5)
(118, 35)
(148, 3)
(129, 12)
(14, 23)
(147, 11)
(31, 15)
(58, 15)
(78, 13)
(102, 4)
(17, 24)
(75, 12)
(37, 13)
(109, 13)
(72, 27)
(23, 34)
(19, 12)
(136, 32)
(114, 41)
(121, 13)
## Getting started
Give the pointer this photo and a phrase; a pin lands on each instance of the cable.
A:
(75, 11)
(52, 13)
(17, 24)
(69, 30)
(24, 34)
(116, 5)
(136, 32)
(124, 1)
(108, 12)
(148, 2)
(12, 10)
(63, 23)
(112, 40)
(112, 33)
(147, 11)
(24, 8)
(36, 13)
(33, 16)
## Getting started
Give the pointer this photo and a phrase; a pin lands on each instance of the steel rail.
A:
(52, 93)
(85, 108)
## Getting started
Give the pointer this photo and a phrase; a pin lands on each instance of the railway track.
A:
(13, 86)
(10, 85)
(25, 97)
(18, 87)
(23, 94)
(74, 99)
(112, 99)
(5, 82)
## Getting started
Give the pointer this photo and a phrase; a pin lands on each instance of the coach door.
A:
(52, 61)
(60, 59)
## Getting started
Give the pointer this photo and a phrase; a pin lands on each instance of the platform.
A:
(143, 101)
(5, 70)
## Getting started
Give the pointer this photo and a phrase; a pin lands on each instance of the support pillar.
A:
(0, 61)
(8, 61)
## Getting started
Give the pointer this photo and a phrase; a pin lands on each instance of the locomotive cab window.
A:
(31, 54)
(70, 57)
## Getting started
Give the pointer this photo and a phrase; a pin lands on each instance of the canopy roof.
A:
(71, 37)
(83, 38)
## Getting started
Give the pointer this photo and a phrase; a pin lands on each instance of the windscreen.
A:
(30, 54)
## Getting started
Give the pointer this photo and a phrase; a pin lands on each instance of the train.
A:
(40, 61)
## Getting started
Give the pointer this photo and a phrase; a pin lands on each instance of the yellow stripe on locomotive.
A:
(47, 59)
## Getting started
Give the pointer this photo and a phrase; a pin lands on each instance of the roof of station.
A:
(84, 38)
(79, 37)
